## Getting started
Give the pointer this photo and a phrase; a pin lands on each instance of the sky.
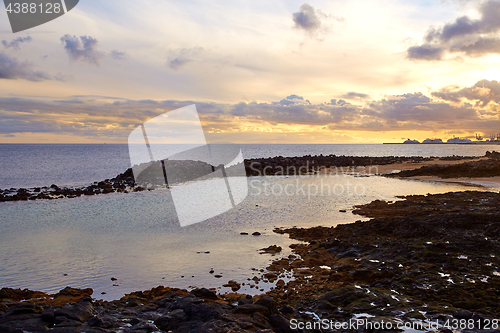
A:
(257, 71)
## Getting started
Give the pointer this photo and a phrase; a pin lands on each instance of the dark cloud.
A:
(11, 68)
(119, 55)
(179, 58)
(93, 115)
(26, 123)
(419, 108)
(355, 95)
(425, 52)
(313, 21)
(340, 102)
(306, 18)
(15, 43)
(296, 110)
(462, 26)
(84, 49)
(83, 117)
(178, 62)
(479, 48)
(293, 97)
(293, 100)
(488, 23)
(473, 37)
(482, 93)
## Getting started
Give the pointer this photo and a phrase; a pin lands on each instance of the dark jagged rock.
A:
(159, 309)
(235, 286)
(310, 164)
(80, 311)
(273, 249)
(430, 257)
(494, 155)
(204, 293)
(268, 303)
(251, 309)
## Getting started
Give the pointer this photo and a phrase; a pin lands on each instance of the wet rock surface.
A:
(273, 249)
(157, 310)
(431, 257)
(235, 286)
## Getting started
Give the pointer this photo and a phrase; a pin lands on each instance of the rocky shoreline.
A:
(275, 166)
(423, 259)
(279, 166)
(157, 310)
(484, 168)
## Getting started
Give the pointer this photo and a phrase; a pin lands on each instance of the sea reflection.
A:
(86, 241)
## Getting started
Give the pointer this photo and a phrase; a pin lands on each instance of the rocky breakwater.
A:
(151, 178)
(121, 183)
(489, 167)
(423, 259)
(176, 171)
(157, 310)
(309, 164)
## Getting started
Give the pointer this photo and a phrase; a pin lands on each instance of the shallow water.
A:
(135, 237)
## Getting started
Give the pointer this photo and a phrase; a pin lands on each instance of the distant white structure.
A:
(459, 140)
(433, 141)
(411, 141)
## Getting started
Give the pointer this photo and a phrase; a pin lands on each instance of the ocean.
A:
(84, 242)
(30, 165)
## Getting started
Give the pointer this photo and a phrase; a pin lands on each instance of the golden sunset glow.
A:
(345, 72)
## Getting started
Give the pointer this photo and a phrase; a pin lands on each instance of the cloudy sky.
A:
(258, 71)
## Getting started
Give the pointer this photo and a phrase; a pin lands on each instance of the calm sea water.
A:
(135, 237)
(24, 165)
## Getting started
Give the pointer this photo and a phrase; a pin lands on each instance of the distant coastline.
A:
(39, 165)
(442, 143)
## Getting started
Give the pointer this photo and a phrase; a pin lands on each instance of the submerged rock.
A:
(273, 249)
(235, 286)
